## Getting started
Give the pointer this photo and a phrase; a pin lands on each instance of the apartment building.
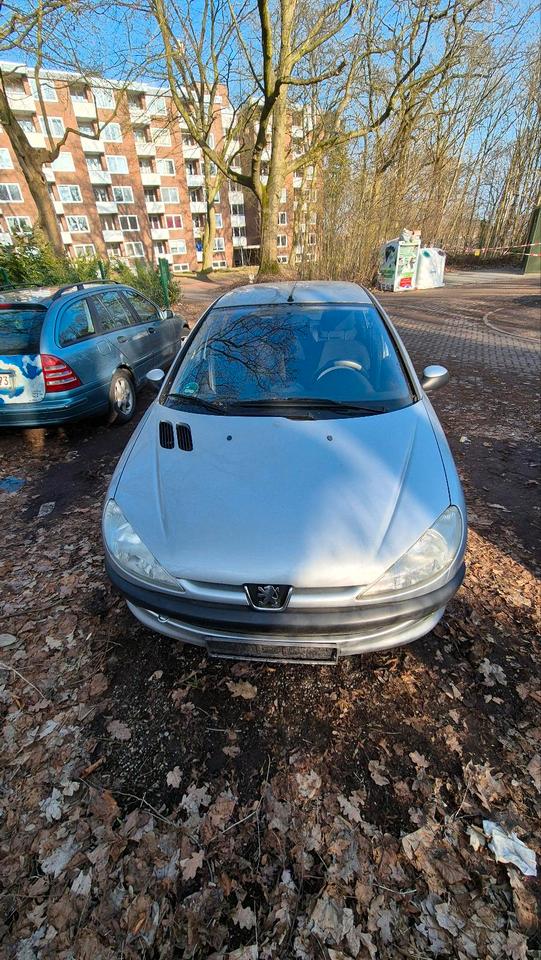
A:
(133, 187)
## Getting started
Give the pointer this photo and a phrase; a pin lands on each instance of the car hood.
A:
(311, 503)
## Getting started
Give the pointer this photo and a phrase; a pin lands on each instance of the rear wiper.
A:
(315, 403)
(214, 406)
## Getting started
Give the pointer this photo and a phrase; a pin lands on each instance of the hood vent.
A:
(184, 437)
(167, 437)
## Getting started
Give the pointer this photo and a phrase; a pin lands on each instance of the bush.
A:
(30, 260)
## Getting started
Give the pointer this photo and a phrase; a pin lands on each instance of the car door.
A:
(79, 345)
(127, 335)
(161, 329)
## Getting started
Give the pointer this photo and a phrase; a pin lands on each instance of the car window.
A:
(75, 323)
(20, 329)
(337, 353)
(145, 310)
(111, 310)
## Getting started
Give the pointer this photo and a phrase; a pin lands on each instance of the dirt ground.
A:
(159, 804)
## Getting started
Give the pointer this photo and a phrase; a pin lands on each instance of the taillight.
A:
(58, 375)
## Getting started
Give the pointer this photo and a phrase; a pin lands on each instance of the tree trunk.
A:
(47, 220)
(270, 200)
(209, 232)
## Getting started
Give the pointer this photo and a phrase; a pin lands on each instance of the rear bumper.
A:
(322, 636)
(50, 412)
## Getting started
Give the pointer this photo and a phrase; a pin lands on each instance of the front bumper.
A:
(311, 636)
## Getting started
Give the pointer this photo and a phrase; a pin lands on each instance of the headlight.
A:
(430, 556)
(129, 550)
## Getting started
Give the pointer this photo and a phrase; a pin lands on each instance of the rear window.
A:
(20, 329)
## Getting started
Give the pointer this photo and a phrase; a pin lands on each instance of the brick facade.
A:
(136, 192)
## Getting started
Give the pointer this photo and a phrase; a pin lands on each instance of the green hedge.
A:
(30, 260)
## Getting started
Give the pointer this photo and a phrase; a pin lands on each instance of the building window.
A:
(161, 136)
(150, 195)
(19, 224)
(219, 264)
(26, 124)
(135, 101)
(47, 88)
(158, 107)
(94, 163)
(145, 165)
(56, 126)
(64, 163)
(6, 163)
(15, 88)
(101, 195)
(177, 246)
(170, 194)
(79, 95)
(311, 239)
(181, 267)
(108, 222)
(283, 258)
(156, 222)
(104, 97)
(160, 248)
(282, 219)
(116, 164)
(237, 209)
(313, 218)
(174, 221)
(84, 249)
(166, 167)
(219, 244)
(69, 193)
(281, 240)
(188, 141)
(217, 197)
(219, 221)
(87, 128)
(134, 249)
(129, 223)
(111, 133)
(77, 224)
(140, 134)
(283, 195)
(239, 231)
(10, 193)
(123, 194)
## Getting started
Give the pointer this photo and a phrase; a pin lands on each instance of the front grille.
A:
(167, 437)
(184, 437)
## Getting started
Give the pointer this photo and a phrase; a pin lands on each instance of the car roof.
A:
(44, 296)
(300, 291)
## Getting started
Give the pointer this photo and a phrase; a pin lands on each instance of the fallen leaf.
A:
(174, 777)
(242, 689)
(419, 760)
(119, 730)
(244, 917)
(192, 864)
(82, 884)
(377, 769)
(309, 783)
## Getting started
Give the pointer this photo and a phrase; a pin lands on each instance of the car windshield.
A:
(20, 329)
(292, 355)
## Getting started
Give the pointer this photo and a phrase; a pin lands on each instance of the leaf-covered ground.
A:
(156, 804)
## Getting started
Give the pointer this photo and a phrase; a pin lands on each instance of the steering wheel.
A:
(335, 365)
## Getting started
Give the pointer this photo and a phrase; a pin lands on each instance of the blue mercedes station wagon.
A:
(79, 350)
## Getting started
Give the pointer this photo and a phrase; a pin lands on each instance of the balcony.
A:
(113, 236)
(150, 179)
(164, 256)
(264, 177)
(297, 183)
(145, 149)
(92, 146)
(66, 236)
(99, 176)
(197, 232)
(195, 179)
(139, 115)
(297, 132)
(198, 206)
(5, 240)
(106, 206)
(159, 233)
(199, 256)
(35, 139)
(155, 206)
(192, 153)
(21, 103)
(239, 241)
(238, 220)
(58, 206)
(236, 196)
(84, 109)
(49, 174)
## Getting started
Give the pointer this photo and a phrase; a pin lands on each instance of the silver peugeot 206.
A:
(290, 494)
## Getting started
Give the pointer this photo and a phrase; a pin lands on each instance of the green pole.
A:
(101, 268)
(4, 275)
(163, 267)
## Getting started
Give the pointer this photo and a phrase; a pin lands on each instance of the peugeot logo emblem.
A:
(268, 596)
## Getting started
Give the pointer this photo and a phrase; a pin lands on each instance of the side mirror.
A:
(166, 314)
(434, 376)
(155, 377)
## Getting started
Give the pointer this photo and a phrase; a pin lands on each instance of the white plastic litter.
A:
(507, 848)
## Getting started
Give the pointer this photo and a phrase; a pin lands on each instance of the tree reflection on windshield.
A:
(340, 353)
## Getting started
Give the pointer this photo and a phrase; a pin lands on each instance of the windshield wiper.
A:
(215, 406)
(308, 403)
